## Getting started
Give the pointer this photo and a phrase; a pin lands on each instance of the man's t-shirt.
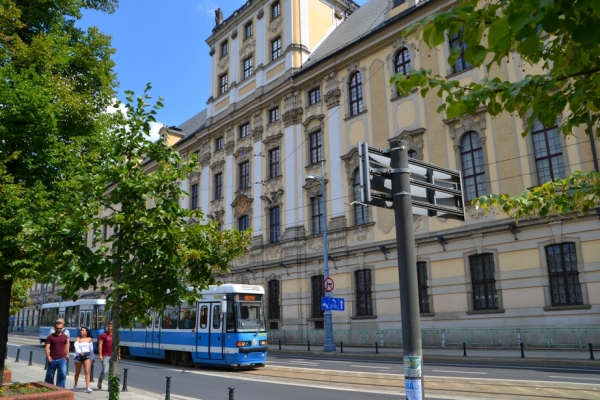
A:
(106, 340)
(57, 345)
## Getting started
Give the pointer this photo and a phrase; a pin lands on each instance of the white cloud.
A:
(207, 6)
(154, 128)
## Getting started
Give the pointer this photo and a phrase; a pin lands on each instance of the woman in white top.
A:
(84, 353)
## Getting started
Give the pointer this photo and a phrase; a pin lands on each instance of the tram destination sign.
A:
(435, 191)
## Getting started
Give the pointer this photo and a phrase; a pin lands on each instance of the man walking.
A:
(105, 351)
(57, 353)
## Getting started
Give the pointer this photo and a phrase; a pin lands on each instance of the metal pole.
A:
(125, 380)
(168, 392)
(464, 349)
(341, 347)
(308, 345)
(46, 363)
(329, 343)
(522, 352)
(67, 366)
(591, 351)
(231, 389)
(18, 354)
(30, 358)
(407, 271)
(279, 344)
(376, 348)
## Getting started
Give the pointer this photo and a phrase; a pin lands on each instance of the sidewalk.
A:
(579, 357)
(21, 372)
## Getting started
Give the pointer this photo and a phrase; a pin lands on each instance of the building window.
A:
(483, 281)
(219, 143)
(364, 300)
(473, 170)
(244, 130)
(222, 84)
(218, 181)
(248, 30)
(224, 48)
(274, 308)
(194, 197)
(548, 152)
(275, 10)
(275, 49)
(274, 225)
(274, 163)
(424, 306)
(243, 223)
(248, 67)
(361, 212)
(274, 115)
(356, 93)
(318, 292)
(316, 215)
(402, 65)
(314, 96)
(565, 288)
(104, 232)
(412, 154)
(244, 175)
(458, 47)
(316, 147)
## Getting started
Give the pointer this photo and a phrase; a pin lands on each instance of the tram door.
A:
(85, 319)
(209, 333)
(153, 335)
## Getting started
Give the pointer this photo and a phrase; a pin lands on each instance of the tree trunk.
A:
(114, 359)
(5, 291)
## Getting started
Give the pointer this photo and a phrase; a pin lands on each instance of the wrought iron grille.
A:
(318, 292)
(364, 299)
(423, 294)
(274, 309)
(485, 296)
(565, 288)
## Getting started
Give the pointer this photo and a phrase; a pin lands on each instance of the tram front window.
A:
(249, 316)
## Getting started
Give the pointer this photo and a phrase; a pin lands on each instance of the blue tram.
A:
(90, 313)
(226, 327)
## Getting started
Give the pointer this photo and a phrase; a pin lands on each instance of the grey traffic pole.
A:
(168, 392)
(407, 271)
(30, 358)
(591, 351)
(18, 354)
(125, 380)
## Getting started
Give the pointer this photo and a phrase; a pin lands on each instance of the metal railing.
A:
(534, 337)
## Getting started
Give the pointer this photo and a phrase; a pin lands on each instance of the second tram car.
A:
(90, 313)
(226, 327)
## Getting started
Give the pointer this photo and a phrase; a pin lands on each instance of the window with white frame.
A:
(224, 48)
(223, 84)
(316, 147)
(248, 30)
(275, 10)
(274, 115)
(473, 168)
(356, 93)
(248, 67)
(274, 163)
(244, 170)
(244, 130)
(275, 49)
(316, 215)
(314, 96)
(219, 143)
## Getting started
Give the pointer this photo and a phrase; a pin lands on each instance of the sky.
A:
(163, 42)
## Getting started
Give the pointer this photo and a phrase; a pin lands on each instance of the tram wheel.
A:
(173, 357)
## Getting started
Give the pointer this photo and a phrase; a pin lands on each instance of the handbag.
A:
(85, 356)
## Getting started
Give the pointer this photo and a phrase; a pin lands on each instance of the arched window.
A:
(356, 93)
(473, 170)
(361, 213)
(548, 152)
(402, 64)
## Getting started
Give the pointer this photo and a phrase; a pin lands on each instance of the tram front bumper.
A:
(255, 349)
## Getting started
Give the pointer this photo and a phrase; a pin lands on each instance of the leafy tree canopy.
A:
(562, 37)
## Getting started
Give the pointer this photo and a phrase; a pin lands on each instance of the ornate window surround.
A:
(397, 45)
(352, 68)
(314, 168)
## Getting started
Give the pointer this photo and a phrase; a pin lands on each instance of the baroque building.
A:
(297, 82)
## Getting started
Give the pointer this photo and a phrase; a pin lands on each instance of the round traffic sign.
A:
(329, 285)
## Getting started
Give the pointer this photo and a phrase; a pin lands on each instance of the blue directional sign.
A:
(332, 304)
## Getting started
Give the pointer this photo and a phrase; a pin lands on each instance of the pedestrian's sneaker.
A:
(74, 388)
(99, 385)
(88, 390)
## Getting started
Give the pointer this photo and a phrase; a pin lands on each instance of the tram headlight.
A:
(263, 342)
(243, 343)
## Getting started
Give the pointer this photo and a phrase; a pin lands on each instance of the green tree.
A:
(153, 251)
(19, 298)
(561, 36)
(55, 80)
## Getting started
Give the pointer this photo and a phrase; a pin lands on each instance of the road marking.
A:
(302, 363)
(340, 362)
(570, 377)
(364, 366)
(459, 372)
(512, 366)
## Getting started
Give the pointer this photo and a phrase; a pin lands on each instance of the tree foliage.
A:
(560, 36)
(55, 80)
(148, 249)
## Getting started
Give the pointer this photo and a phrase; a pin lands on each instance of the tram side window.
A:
(230, 317)
(49, 315)
(203, 317)
(187, 316)
(139, 324)
(71, 317)
(169, 320)
(216, 317)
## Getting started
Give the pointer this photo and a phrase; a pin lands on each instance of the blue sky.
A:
(163, 42)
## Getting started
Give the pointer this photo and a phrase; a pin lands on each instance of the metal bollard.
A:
(341, 347)
(522, 352)
(92, 370)
(231, 389)
(67, 366)
(309, 345)
(168, 392)
(125, 381)
(279, 344)
(46, 363)
(30, 358)
(18, 354)
(591, 351)
(464, 349)
(376, 348)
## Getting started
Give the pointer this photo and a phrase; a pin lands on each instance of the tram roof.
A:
(234, 288)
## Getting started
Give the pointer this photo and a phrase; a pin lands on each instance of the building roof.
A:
(194, 124)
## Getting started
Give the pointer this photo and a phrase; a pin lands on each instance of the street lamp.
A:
(329, 343)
